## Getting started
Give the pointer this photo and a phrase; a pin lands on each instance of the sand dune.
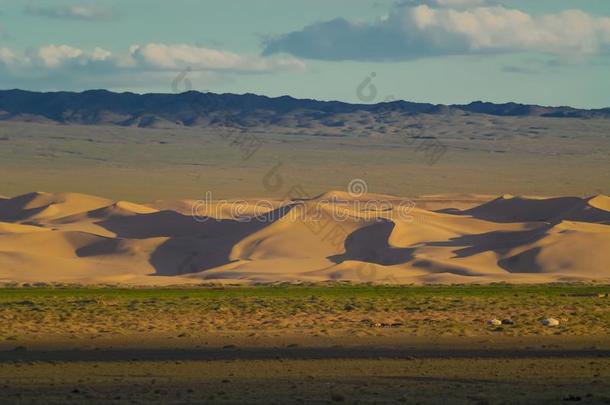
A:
(517, 209)
(45, 206)
(371, 238)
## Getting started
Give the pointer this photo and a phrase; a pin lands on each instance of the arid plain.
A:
(477, 198)
(484, 154)
(493, 200)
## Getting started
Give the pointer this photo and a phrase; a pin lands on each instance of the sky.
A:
(549, 52)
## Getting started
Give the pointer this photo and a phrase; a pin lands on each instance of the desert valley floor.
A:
(520, 200)
(425, 154)
(119, 202)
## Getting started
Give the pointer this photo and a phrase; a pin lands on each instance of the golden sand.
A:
(79, 238)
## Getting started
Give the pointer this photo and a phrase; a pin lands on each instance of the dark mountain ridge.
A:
(195, 109)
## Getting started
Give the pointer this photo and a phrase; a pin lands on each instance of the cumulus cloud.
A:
(71, 67)
(419, 29)
(53, 56)
(149, 57)
(176, 56)
(75, 12)
(7, 57)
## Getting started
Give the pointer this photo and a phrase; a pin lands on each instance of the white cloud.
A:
(449, 27)
(75, 11)
(151, 57)
(502, 29)
(100, 54)
(63, 66)
(177, 56)
(7, 57)
(53, 55)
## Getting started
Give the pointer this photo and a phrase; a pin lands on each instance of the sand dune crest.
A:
(70, 237)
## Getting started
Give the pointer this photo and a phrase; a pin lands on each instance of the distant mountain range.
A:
(195, 109)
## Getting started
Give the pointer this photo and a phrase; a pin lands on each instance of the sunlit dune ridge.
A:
(76, 238)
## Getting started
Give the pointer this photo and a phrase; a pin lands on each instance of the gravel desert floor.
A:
(305, 344)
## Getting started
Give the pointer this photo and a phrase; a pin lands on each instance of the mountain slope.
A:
(195, 109)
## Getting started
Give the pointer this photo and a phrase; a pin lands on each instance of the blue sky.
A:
(552, 52)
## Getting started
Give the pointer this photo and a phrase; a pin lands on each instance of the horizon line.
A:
(307, 99)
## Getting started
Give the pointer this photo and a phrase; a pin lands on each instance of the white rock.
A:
(550, 322)
(494, 322)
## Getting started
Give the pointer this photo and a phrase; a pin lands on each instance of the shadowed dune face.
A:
(517, 209)
(40, 206)
(78, 238)
(499, 242)
(371, 245)
(209, 245)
